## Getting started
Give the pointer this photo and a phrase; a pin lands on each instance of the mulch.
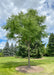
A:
(31, 69)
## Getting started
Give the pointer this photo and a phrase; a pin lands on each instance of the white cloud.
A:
(2, 33)
(2, 44)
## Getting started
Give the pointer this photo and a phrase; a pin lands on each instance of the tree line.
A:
(8, 50)
(38, 49)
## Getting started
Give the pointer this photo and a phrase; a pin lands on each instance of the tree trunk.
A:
(28, 55)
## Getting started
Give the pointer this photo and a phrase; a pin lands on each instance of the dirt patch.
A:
(31, 69)
(38, 58)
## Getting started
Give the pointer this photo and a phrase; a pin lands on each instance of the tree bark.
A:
(28, 55)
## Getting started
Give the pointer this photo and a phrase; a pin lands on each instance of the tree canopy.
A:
(26, 26)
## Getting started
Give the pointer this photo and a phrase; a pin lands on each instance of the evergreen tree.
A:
(0, 50)
(15, 49)
(12, 50)
(1, 54)
(22, 51)
(37, 50)
(50, 45)
(6, 50)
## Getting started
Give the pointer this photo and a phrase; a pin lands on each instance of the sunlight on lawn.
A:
(8, 65)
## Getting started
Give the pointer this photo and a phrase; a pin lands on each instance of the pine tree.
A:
(6, 50)
(37, 50)
(15, 49)
(51, 45)
(12, 50)
(0, 50)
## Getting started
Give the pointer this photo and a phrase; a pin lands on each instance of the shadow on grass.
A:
(16, 64)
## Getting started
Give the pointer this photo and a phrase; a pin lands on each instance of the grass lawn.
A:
(8, 65)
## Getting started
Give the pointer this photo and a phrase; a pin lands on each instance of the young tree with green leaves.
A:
(26, 27)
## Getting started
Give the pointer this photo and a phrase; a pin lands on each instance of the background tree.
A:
(12, 50)
(6, 50)
(1, 53)
(37, 50)
(15, 49)
(9, 50)
(22, 51)
(50, 46)
(27, 26)
(0, 50)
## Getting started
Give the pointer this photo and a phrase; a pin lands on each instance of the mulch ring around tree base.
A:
(31, 69)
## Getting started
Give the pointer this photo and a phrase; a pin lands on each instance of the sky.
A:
(9, 7)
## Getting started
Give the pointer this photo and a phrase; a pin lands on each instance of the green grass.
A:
(8, 65)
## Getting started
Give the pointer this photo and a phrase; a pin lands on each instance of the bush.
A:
(1, 54)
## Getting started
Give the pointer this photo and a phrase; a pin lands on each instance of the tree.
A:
(37, 50)
(0, 50)
(27, 27)
(15, 49)
(12, 50)
(1, 54)
(50, 46)
(6, 50)
(22, 51)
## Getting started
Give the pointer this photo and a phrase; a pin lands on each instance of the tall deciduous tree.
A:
(27, 27)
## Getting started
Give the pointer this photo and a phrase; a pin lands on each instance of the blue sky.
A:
(8, 7)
